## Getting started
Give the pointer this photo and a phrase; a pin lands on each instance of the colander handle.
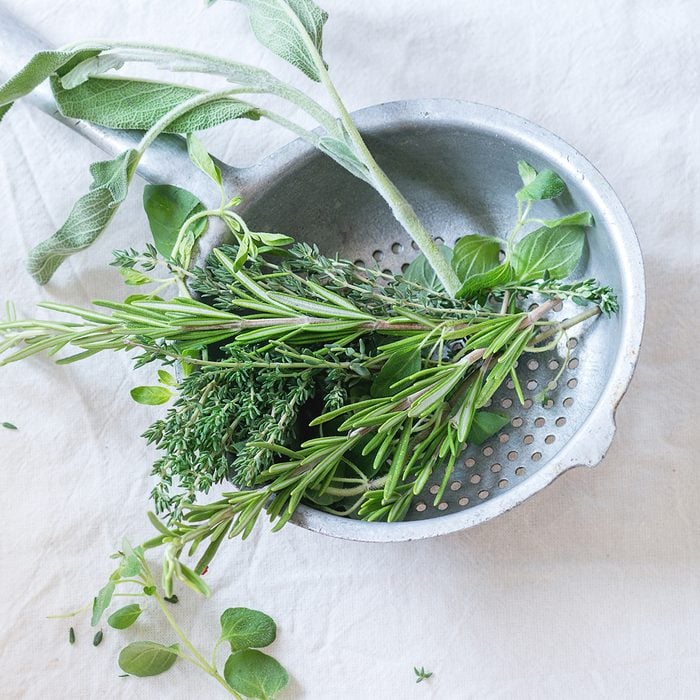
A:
(599, 432)
(166, 161)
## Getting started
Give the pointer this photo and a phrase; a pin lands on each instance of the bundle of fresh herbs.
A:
(297, 377)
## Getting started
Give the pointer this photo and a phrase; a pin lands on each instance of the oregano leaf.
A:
(545, 185)
(89, 216)
(151, 395)
(255, 674)
(552, 251)
(421, 272)
(168, 208)
(101, 602)
(484, 281)
(124, 617)
(399, 366)
(579, 218)
(244, 628)
(475, 254)
(485, 425)
(147, 658)
(527, 172)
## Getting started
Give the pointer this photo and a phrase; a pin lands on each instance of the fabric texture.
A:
(591, 589)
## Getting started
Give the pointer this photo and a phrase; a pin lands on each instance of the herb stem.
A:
(197, 659)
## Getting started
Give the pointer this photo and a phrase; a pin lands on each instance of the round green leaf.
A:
(255, 675)
(244, 628)
(124, 617)
(147, 658)
(475, 254)
(150, 395)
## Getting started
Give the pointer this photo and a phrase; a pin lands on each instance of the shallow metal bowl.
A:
(456, 163)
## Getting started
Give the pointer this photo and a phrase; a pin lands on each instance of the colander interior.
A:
(461, 176)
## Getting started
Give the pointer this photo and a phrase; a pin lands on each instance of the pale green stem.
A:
(200, 660)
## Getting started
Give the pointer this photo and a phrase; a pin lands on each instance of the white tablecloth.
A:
(589, 590)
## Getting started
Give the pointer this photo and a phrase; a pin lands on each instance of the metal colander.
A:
(456, 163)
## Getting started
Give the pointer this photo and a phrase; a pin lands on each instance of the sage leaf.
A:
(244, 628)
(553, 251)
(485, 281)
(580, 218)
(485, 425)
(168, 208)
(101, 602)
(546, 185)
(254, 674)
(124, 617)
(128, 103)
(342, 153)
(201, 158)
(147, 658)
(89, 217)
(287, 27)
(475, 255)
(399, 366)
(39, 68)
(527, 172)
(421, 272)
(151, 395)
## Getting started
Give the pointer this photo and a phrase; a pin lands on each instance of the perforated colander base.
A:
(537, 428)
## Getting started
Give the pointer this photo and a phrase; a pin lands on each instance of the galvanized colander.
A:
(455, 162)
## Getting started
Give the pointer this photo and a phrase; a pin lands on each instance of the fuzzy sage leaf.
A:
(89, 216)
(127, 103)
(293, 29)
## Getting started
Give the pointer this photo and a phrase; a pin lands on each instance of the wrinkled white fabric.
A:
(589, 590)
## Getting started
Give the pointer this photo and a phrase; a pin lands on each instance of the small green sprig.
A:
(247, 671)
(421, 674)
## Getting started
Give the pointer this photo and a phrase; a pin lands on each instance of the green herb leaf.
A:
(151, 395)
(527, 172)
(420, 271)
(9, 426)
(97, 639)
(254, 674)
(101, 602)
(485, 281)
(89, 217)
(399, 366)
(128, 103)
(164, 377)
(546, 185)
(555, 251)
(243, 628)
(580, 218)
(342, 153)
(287, 27)
(475, 255)
(201, 158)
(147, 658)
(485, 425)
(71, 636)
(124, 617)
(134, 278)
(39, 68)
(168, 208)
